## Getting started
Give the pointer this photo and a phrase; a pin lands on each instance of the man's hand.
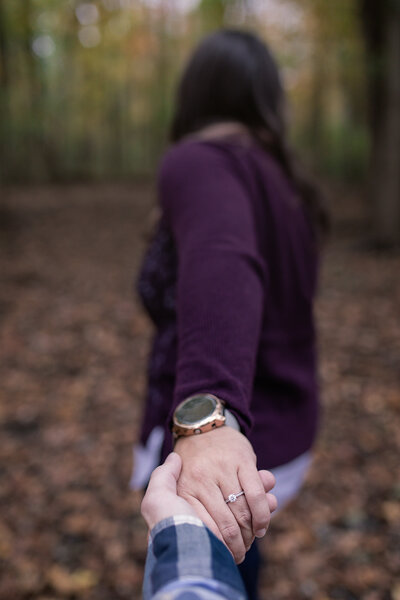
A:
(215, 465)
(161, 500)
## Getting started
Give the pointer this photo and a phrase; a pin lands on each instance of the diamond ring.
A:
(234, 497)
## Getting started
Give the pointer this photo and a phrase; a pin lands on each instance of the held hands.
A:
(215, 465)
(161, 499)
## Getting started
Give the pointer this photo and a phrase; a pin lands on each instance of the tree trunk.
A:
(316, 119)
(4, 50)
(382, 29)
(386, 170)
(4, 89)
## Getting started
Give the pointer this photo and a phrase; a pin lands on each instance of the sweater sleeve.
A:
(220, 275)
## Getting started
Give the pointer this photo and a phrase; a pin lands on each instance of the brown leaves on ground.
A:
(73, 352)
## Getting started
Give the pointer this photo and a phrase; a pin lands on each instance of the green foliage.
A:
(212, 13)
(344, 151)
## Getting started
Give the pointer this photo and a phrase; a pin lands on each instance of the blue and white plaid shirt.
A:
(185, 561)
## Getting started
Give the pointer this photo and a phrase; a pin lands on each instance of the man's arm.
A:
(185, 556)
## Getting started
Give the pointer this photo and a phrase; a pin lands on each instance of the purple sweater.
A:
(229, 281)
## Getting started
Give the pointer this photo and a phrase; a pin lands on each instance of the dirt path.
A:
(73, 345)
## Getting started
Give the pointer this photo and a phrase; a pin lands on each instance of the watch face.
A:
(195, 409)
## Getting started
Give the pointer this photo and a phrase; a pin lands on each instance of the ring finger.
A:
(240, 510)
(227, 524)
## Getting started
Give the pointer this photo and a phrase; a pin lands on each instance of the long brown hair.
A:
(233, 76)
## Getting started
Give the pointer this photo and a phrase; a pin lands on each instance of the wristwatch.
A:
(198, 414)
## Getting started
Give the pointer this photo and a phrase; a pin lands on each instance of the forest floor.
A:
(73, 347)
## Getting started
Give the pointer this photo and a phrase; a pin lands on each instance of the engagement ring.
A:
(233, 497)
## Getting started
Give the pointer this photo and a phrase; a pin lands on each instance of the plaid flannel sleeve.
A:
(185, 557)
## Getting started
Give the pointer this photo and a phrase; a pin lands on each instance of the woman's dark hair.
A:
(232, 76)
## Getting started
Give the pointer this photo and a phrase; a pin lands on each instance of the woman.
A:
(229, 281)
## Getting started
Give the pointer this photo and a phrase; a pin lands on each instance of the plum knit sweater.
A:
(229, 281)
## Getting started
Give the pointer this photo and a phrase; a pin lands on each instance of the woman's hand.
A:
(215, 465)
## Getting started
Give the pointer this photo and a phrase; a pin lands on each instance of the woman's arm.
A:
(221, 279)
(220, 276)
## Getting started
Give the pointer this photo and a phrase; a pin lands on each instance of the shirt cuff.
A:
(174, 521)
(182, 548)
(231, 420)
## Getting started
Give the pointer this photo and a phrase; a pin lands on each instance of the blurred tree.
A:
(4, 79)
(331, 80)
(4, 49)
(381, 22)
(213, 13)
(87, 85)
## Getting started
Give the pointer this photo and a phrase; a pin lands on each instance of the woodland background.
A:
(86, 93)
